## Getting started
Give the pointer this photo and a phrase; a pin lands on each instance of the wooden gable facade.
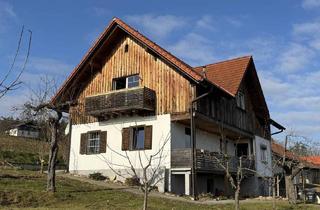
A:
(129, 57)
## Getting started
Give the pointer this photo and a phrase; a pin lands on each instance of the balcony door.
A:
(242, 149)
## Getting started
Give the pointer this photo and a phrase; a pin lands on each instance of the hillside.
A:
(24, 150)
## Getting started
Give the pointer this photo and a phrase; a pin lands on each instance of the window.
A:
(240, 98)
(138, 138)
(119, 83)
(126, 48)
(263, 150)
(133, 81)
(125, 82)
(93, 142)
(187, 131)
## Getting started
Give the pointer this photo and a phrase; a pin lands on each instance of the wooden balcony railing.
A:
(139, 100)
(208, 161)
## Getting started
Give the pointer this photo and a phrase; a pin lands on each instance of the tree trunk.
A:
(145, 199)
(51, 180)
(236, 198)
(274, 193)
(41, 165)
(290, 190)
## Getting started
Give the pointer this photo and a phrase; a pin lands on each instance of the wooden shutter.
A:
(83, 143)
(125, 138)
(103, 142)
(148, 137)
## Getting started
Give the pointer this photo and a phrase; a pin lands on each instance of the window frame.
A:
(126, 81)
(241, 100)
(96, 148)
(134, 137)
(264, 153)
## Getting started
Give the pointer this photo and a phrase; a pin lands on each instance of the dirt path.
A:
(135, 190)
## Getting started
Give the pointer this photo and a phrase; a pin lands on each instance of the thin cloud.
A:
(7, 14)
(310, 4)
(194, 49)
(295, 58)
(157, 26)
(206, 22)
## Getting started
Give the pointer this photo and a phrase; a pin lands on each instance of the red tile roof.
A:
(227, 74)
(312, 159)
(279, 150)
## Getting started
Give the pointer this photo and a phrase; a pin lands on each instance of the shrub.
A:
(132, 181)
(97, 176)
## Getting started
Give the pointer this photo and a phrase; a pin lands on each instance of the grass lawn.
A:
(25, 189)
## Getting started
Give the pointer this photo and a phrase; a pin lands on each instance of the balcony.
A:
(208, 161)
(140, 101)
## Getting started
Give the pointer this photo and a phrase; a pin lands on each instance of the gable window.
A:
(133, 81)
(126, 48)
(137, 138)
(125, 82)
(264, 155)
(93, 142)
(240, 98)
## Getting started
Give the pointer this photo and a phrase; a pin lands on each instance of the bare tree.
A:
(292, 167)
(41, 106)
(241, 172)
(11, 80)
(241, 166)
(147, 173)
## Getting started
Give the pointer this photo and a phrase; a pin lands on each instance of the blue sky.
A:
(283, 37)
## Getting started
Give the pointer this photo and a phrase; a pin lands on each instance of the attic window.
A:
(240, 98)
(126, 48)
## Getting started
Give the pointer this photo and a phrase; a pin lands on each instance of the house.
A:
(308, 177)
(134, 97)
(311, 172)
(27, 130)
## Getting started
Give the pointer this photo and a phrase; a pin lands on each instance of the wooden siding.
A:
(173, 91)
(224, 109)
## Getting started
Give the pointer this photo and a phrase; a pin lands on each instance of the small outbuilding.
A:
(28, 130)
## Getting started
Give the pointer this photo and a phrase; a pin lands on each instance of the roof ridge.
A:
(183, 62)
(224, 61)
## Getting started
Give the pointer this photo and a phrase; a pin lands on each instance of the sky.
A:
(283, 36)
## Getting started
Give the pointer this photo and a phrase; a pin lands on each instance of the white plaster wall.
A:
(85, 164)
(205, 140)
(263, 169)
